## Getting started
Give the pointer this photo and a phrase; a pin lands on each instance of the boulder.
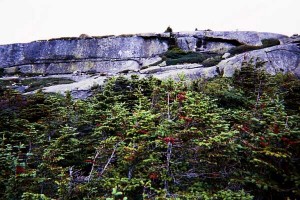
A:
(190, 74)
(281, 58)
(226, 55)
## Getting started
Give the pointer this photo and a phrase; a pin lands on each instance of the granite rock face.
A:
(66, 55)
(116, 53)
(144, 54)
(220, 41)
(281, 58)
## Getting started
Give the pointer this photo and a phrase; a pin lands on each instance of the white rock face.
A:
(187, 43)
(190, 74)
(76, 53)
(150, 61)
(82, 85)
(244, 37)
(218, 47)
(156, 69)
(281, 58)
(80, 58)
(226, 55)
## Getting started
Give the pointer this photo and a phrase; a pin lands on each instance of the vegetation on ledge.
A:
(225, 138)
(177, 56)
(34, 83)
(245, 48)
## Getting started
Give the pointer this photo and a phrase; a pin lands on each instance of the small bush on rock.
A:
(270, 42)
(177, 56)
(213, 61)
(243, 49)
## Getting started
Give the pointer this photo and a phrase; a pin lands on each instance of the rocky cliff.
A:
(196, 54)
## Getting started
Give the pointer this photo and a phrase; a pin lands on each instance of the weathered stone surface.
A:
(281, 58)
(92, 66)
(217, 47)
(221, 41)
(150, 61)
(243, 37)
(191, 74)
(85, 59)
(226, 55)
(156, 69)
(77, 86)
(11, 70)
(187, 43)
(116, 47)
(59, 50)
(293, 39)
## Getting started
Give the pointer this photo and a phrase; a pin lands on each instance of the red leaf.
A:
(284, 139)
(20, 170)
(153, 176)
(188, 119)
(245, 128)
(181, 96)
(181, 117)
(276, 129)
(169, 139)
(264, 144)
(142, 131)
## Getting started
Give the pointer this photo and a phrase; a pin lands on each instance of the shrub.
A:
(36, 83)
(178, 56)
(186, 59)
(212, 61)
(175, 53)
(1, 72)
(270, 42)
(243, 49)
(169, 30)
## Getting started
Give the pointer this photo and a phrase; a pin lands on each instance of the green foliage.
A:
(245, 48)
(212, 61)
(224, 138)
(169, 30)
(32, 196)
(270, 42)
(176, 56)
(35, 83)
(1, 72)
(175, 53)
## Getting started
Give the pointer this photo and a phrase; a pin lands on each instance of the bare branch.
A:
(93, 166)
(110, 158)
(169, 116)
